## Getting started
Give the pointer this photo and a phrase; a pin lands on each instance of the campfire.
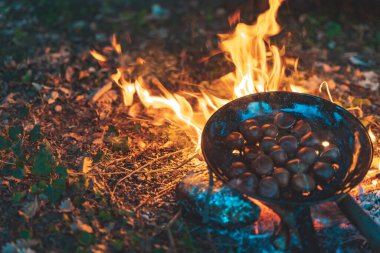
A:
(259, 66)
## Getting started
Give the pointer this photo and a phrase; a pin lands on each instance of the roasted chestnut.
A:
(246, 182)
(310, 139)
(308, 155)
(278, 155)
(303, 183)
(323, 172)
(267, 143)
(262, 165)
(284, 120)
(282, 176)
(301, 128)
(246, 124)
(330, 154)
(269, 187)
(253, 134)
(296, 166)
(251, 152)
(236, 169)
(289, 143)
(270, 130)
(234, 140)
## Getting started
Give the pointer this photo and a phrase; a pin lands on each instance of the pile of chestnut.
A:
(279, 159)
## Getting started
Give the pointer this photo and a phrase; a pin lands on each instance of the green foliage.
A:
(120, 144)
(333, 29)
(18, 196)
(25, 234)
(18, 173)
(98, 156)
(43, 163)
(23, 111)
(61, 171)
(55, 190)
(15, 132)
(105, 216)
(35, 134)
(4, 143)
(118, 245)
(17, 149)
(39, 187)
(86, 238)
(112, 131)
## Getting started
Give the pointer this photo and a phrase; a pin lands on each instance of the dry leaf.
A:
(371, 81)
(87, 164)
(30, 209)
(66, 206)
(79, 225)
(21, 245)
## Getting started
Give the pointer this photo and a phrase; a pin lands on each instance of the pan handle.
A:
(305, 229)
(367, 227)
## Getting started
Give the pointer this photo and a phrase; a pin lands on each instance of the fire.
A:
(372, 136)
(259, 66)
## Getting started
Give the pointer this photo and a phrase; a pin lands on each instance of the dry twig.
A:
(143, 167)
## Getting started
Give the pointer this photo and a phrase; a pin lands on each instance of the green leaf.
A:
(35, 134)
(85, 238)
(105, 216)
(26, 78)
(23, 112)
(120, 144)
(53, 194)
(17, 150)
(4, 143)
(15, 131)
(62, 171)
(18, 196)
(333, 29)
(98, 156)
(25, 234)
(43, 163)
(55, 190)
(118, 245)
(34, 188)
(112, 131)
(59, 184)
(18, 173)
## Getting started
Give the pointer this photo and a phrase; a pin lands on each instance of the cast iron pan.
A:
(330, 121)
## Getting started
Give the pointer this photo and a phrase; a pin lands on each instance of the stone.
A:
(227, 207)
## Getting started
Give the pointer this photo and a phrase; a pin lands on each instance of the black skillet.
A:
(330, 121)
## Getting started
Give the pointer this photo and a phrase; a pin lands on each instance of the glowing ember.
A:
(325, 143)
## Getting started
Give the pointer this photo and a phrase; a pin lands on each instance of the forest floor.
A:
(82, 175)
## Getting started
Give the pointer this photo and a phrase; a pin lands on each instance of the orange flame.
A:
(259, 66)
(98, 56)
(372, 136)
